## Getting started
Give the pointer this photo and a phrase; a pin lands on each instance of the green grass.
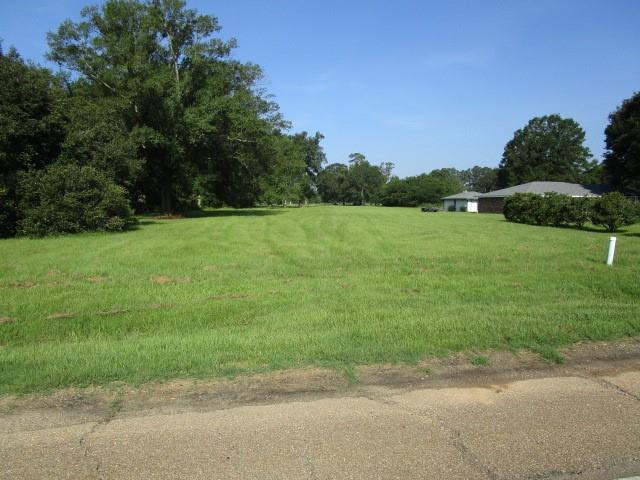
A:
(255, 290)
(479, 361)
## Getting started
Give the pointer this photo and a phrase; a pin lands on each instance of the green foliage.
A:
(177, 106)
(358, 184)
(548, 353)
(288, 181)
(98, 136)
(622, 158)
(580, 210)
(548, 148)
(479, 179)
(613, 211)
(479, 361)
(422, 189)
(463, 209)
(518, 208)
(364, 182)
(332, 183)
(8, 213)
(71, 199)
(451, 208)
(32, 123)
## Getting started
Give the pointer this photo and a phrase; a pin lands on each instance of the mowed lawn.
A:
(254, 290)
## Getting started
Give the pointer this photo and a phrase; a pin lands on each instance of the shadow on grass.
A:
(585, 228)
(236, 212)
(622, 231)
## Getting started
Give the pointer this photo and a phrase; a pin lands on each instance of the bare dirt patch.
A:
(7, 320)
(169, 216)
(210, 268)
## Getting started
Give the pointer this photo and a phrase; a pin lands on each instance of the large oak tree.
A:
(622, 159)
(179, 104)
(548, 148)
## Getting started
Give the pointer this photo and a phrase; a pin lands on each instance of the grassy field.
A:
(253, 290)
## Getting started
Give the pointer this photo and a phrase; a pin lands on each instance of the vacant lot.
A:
(252, 290)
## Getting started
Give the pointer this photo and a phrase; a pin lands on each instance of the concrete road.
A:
(571, 424)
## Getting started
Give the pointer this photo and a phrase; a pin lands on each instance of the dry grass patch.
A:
(165, 280)
(59, 315)
(23, 285)
(113, 311)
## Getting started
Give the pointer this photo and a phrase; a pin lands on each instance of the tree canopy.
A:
(622, 158)
(183, 106)
(548, 148)
(32, 127)
(150, 96)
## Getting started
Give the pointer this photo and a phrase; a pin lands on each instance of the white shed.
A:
(461, 202)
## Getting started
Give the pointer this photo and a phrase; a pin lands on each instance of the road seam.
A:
(453, 434)
(84, 439)
(604, 383)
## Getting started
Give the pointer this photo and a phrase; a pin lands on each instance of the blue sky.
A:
(422, 84)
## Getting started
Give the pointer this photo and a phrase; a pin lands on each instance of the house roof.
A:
(462, 196)
(572, 189)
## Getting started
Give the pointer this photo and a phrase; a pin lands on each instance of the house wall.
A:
(470, 205)
(490, 205)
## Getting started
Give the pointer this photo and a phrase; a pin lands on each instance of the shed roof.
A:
(463, 196)
(572, 189)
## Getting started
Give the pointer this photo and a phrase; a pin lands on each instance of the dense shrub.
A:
(580, 210)
(463, 209)
(7, 213)
(70, 199)
(613, 211)
(451, 208)
(519, 207)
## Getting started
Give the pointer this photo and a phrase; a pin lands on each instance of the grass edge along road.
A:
(255, 290)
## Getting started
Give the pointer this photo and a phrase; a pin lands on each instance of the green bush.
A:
(463, 209)
(522, 208)
(613, 211)
(580, 210)
(556, 209)
(71, 199)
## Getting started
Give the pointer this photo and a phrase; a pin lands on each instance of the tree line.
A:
(548, 148)
(359, 183)
(149, 112)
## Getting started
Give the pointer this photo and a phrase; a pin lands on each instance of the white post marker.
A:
(612, 250)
